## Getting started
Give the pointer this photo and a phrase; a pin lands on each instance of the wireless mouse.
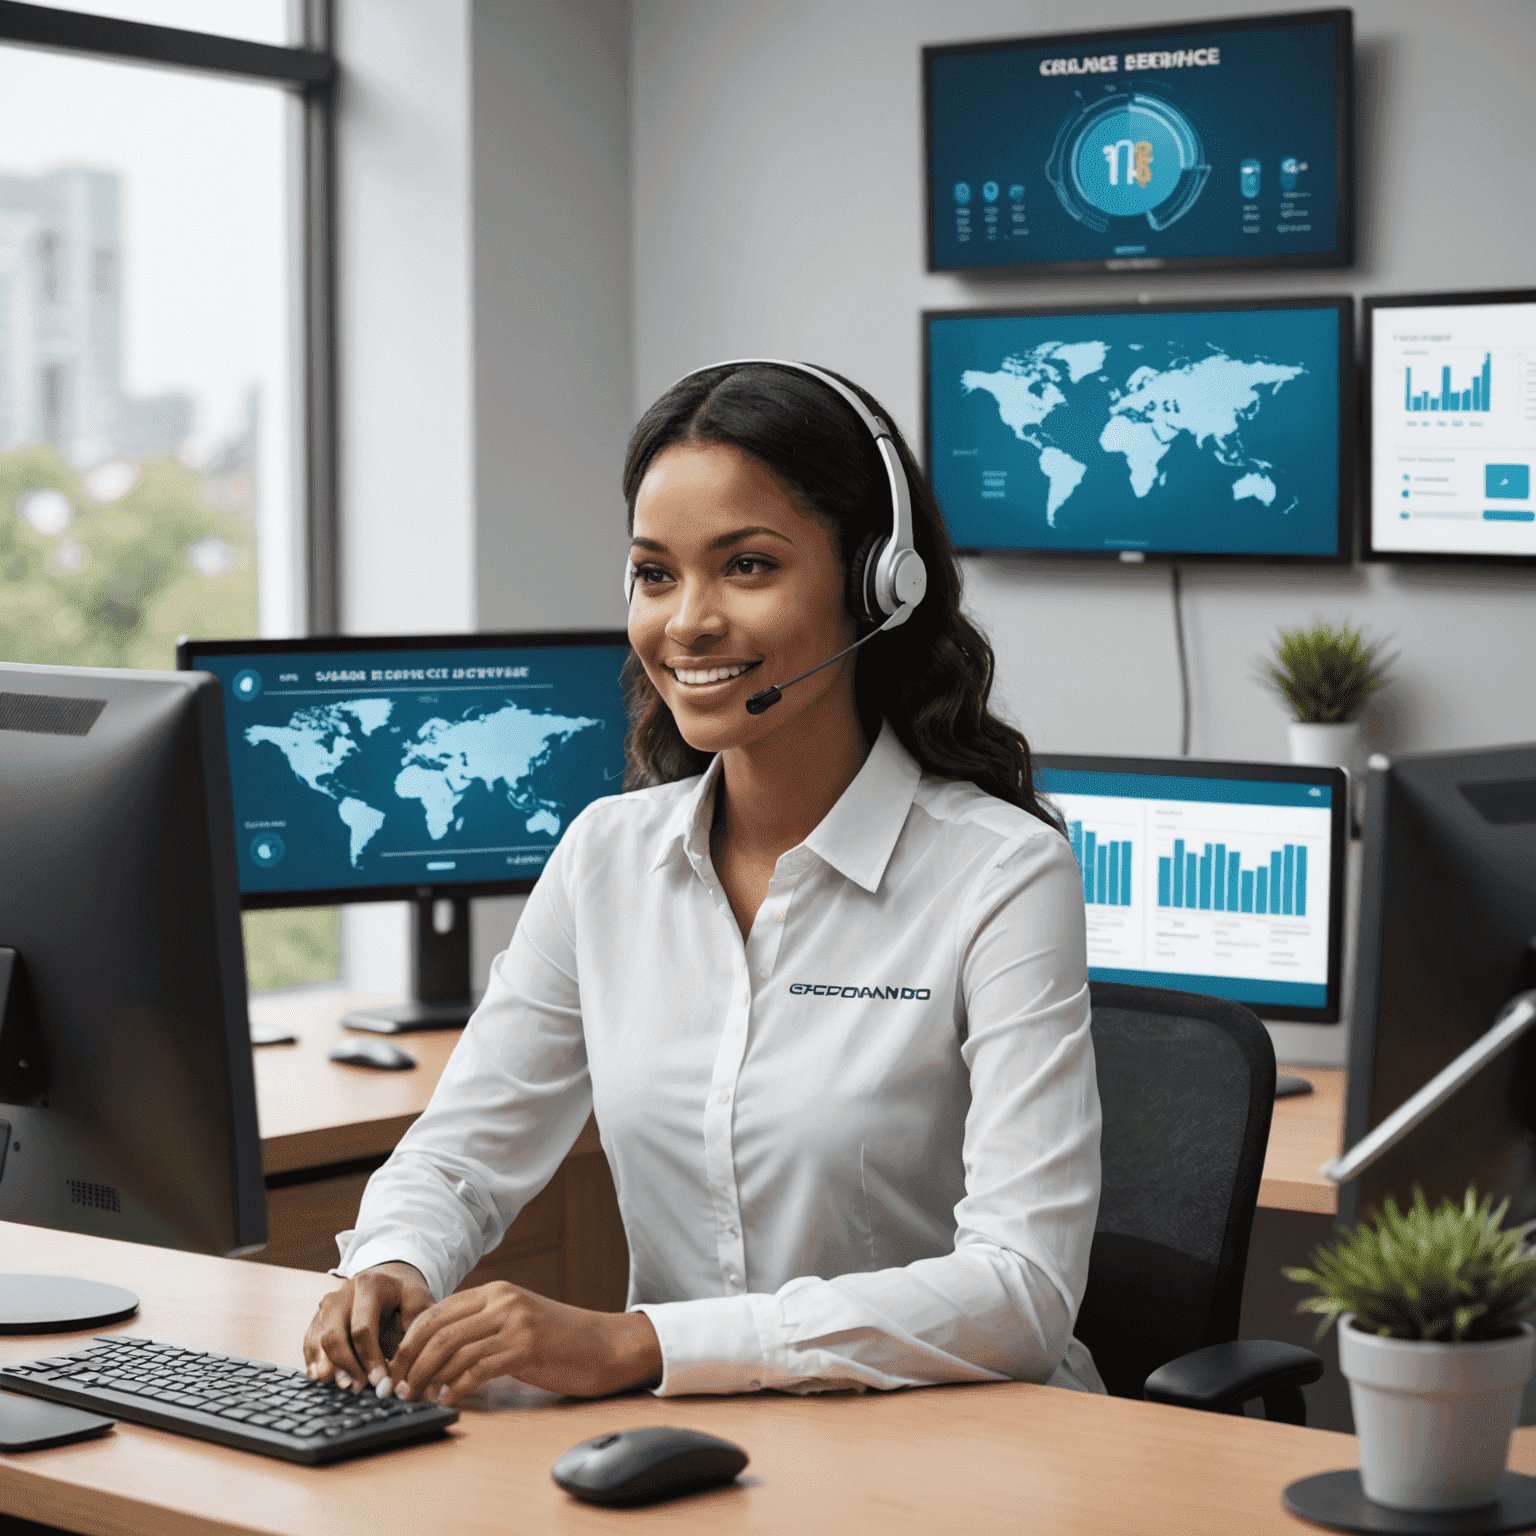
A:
(373, 1053)
(641, 1466)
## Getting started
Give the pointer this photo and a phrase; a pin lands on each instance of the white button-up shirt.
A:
(859, 1149)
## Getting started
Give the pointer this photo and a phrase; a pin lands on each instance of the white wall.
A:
(483, 273)
(778, 211)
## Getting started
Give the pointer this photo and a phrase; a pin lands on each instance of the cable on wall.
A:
(1178, 638)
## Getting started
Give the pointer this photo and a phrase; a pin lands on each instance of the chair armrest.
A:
(1222, 1377)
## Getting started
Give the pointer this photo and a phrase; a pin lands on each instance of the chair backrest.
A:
(1187, 1083)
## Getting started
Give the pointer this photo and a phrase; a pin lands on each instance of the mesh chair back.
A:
(1187, 1084)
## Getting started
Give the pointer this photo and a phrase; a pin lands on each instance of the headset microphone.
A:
(887, 577)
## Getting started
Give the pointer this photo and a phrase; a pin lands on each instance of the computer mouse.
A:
(640, 1466)
(373, 1053)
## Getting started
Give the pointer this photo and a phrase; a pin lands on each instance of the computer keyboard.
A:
(249, 1404)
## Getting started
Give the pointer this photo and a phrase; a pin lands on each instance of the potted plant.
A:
(1325, 675)
(1431, 1307)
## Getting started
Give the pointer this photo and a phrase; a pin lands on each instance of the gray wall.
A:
(778, 210)
(550, 117)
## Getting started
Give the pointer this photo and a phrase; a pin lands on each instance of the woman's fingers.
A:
(490, 1364)
(445, 1343)
(423, 1327)
(372, 1295)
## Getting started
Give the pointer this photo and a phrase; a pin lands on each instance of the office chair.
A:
(1187, 1084)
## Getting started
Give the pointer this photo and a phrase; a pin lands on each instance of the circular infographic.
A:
(267, 848)
(1128, 155)
(962, 191)
(247, 685)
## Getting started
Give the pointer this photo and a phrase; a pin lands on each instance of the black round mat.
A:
(60, 1304)
(1335, 1500)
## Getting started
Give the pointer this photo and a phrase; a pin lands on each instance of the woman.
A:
(820, 974)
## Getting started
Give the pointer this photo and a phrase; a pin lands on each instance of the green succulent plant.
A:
(1325, 674)
(1450, 1275)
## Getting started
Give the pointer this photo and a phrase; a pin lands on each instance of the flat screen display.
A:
(1451, 428)
(1216, 144)
(1173, 430)
(1218, 878)
(370, 767)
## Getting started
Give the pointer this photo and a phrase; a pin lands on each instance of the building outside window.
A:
(155, 451)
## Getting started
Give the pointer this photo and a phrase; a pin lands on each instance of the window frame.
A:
(309, 70)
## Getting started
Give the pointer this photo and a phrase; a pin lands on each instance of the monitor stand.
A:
(440, 952)
(61, 1304)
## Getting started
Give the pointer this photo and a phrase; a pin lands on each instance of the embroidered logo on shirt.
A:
(893, 994)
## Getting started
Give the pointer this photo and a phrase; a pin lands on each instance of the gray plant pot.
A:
(1434, 1420)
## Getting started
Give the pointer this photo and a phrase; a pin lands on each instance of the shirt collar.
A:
(856, 837)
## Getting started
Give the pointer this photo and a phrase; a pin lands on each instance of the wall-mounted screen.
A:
(1175, 431)
(1451, 428)
(1211, 144)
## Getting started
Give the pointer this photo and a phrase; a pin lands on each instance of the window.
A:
(48, 265)
(165, 356)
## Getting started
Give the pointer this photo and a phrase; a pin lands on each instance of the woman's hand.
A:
(355, 1328)
(502, 1330)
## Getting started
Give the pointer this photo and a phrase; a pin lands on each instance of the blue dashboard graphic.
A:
(363, 769)
(1217, 144)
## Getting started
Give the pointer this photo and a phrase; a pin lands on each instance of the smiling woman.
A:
(820, 974)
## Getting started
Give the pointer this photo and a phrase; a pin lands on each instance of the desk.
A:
(1306, 1131)
(974, 1458)
(325, 1128)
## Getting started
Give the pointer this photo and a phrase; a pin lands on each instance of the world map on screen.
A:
(379, 758)
(1130, 404)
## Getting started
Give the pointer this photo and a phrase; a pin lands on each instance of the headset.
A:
(886, 577)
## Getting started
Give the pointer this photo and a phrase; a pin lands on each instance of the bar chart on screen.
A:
(1211, 885)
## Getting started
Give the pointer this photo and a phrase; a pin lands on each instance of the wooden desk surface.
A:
(1305, 1132)
(979, 1458)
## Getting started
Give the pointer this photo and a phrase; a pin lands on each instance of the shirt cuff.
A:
(718, 1344)
(388, 1250)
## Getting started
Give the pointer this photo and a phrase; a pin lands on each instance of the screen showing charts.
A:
(1215, 885)
(414, 765)
(1221, 143)
(1453, 427)
(1172, 430)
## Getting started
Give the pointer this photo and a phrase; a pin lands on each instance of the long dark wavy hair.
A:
(932, 676)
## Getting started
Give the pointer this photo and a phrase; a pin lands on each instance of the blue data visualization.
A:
(1210, 885)
(355, 770)
(1182, 431)
(1214, 143)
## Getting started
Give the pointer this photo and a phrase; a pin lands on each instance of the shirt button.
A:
(778, 917)
(724, 1097)
(730, 1231)
(762, 975)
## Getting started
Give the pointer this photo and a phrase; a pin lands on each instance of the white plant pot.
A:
(1326, 746)
(1434, 1420)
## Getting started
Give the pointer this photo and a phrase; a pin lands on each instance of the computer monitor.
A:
(1447, 924)
(424, 768)
(1222, 878)
(127, 1099)
(1220, 430)
(1221, 143)
(1450, 429)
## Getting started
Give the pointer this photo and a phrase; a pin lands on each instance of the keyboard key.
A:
(235, 1413)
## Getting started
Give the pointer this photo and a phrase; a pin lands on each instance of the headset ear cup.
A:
(861, 580)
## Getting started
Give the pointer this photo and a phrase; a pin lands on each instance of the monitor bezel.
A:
(188, 650)
(1342, 304)
(1368, 307)
(1139, 266)
(1283, 773)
